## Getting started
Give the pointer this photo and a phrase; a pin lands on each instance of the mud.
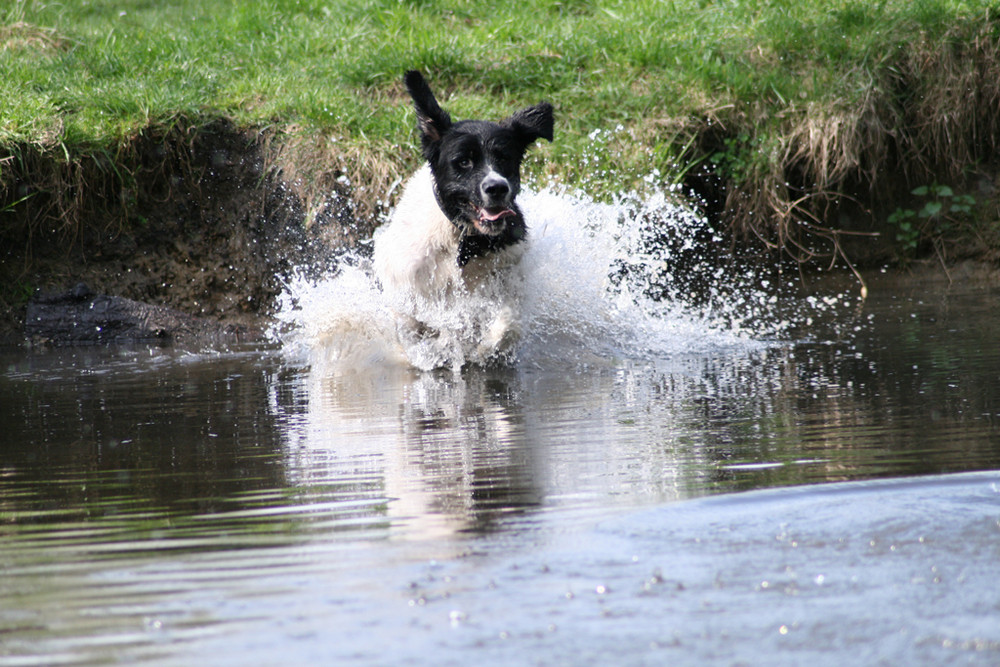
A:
(204, 222)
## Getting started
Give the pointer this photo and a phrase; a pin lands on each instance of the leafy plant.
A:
(907, 232)
(739, 157)
(942, 210)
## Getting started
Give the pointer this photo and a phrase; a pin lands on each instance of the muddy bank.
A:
(207, 221)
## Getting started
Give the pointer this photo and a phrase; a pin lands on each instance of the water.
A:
(734, 476)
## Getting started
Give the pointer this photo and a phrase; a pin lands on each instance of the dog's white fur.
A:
(415, 260)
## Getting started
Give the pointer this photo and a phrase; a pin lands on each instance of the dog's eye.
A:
(464, 163)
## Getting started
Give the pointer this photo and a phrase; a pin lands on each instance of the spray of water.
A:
(632, 278)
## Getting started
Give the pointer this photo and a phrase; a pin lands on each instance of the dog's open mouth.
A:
(491, 222)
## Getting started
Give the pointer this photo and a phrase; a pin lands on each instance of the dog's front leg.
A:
(501, 334)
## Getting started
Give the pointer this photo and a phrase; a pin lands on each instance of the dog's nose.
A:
(495, 187)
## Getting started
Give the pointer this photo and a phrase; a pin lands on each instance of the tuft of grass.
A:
(775, 111)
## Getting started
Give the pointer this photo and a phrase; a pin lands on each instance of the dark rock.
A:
(78, 316)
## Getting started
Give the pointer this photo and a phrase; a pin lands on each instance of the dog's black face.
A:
(476, 168)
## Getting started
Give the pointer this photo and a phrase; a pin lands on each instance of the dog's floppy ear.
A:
(432, 120)
(533, 123)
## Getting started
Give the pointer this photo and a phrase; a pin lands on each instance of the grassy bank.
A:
(796, 122)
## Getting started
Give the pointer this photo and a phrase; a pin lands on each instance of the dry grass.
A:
(21, 36)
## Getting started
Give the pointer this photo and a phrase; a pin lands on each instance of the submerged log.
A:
(78, 316)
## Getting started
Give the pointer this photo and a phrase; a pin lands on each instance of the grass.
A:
(777, 108)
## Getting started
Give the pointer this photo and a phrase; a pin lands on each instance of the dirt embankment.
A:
(205, 220)
(209, 220)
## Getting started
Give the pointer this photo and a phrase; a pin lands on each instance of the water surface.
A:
(696, 494)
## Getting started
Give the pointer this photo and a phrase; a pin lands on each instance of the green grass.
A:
(739, 86)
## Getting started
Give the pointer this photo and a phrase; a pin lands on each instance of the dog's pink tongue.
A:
(486, 216)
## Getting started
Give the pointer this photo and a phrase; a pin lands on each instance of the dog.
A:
(457, 229)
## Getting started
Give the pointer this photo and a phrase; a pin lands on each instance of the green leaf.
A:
(930, 209)
(899, 215)
(921, 191)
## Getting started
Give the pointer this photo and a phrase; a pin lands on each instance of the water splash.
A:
(633, 278)
(603, 278)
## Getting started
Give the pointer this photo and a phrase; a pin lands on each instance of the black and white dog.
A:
(457, 224)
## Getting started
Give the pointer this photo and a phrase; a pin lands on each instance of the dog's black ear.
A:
(533, 123)
(432, 120)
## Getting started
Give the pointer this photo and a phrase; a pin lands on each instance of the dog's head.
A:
(476, 164)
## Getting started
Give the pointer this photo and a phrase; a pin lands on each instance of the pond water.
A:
(641, 484)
